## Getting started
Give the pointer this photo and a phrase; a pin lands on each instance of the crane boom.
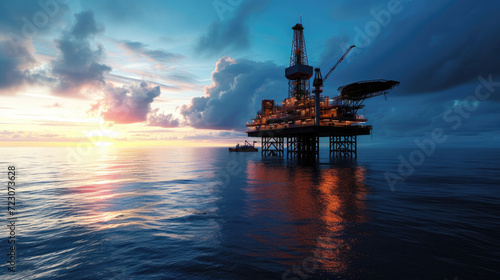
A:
(318, 85)
(338, 62)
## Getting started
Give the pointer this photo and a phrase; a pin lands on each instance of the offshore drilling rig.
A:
(303, 118)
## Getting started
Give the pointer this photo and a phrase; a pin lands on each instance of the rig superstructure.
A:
(303, 118)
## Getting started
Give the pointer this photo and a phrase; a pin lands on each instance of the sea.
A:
(206, 213)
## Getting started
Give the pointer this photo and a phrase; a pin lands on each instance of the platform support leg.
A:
(272, 146)
(344, 147)
(303, 147)
(291, 147)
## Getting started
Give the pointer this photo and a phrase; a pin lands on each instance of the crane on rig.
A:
(337, 64)
(318, 84)
(352, 95)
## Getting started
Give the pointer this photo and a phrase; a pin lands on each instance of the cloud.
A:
(437, 59)
(20, 22)
(127, 104)
(125, 80)
(86, 26)
(426, 47)
(155, 118)
(38, 136)
(6, 132)
(15, 69)
(79, 68)
(404, 120)
(61, 123)
(54, 105)
(156, 55)
(235, 94)
(183, 77)
(229, 35)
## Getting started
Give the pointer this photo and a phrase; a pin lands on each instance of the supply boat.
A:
(247, 147)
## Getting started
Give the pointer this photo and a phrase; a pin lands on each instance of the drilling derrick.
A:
(299, 72)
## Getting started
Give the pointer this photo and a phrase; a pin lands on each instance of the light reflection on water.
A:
(204, 213)
(317, 206)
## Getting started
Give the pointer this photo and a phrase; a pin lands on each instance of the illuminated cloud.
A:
(127, 104)
(235, 93)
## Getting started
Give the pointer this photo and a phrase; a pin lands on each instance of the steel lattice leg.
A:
(343, 147)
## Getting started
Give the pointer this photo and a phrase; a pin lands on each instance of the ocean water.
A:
(205, 213)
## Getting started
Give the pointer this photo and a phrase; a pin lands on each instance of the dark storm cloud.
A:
(404, 120)
(127, 104)
(79, 66)
(229, 35)
(434, 47)
(157, 55)
(235, 94)
(439, 48)
(430, 46)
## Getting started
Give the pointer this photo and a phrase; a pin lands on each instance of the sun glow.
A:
(102, 133)
(103, 144)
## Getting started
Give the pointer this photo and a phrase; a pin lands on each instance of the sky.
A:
(192, 73)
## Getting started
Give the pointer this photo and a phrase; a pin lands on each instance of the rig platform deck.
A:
(303, 142)
(319, 131)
